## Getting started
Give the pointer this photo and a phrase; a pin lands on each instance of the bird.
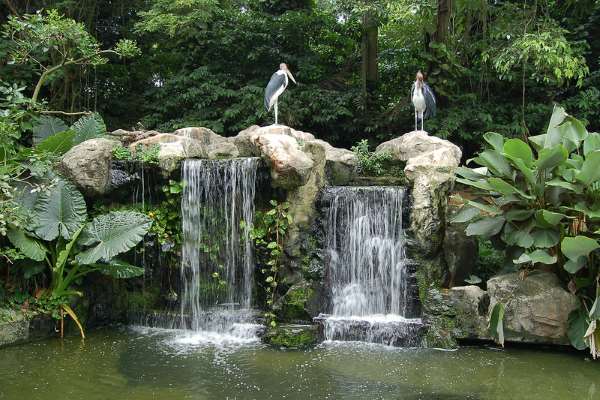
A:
(277, 84)
(423, 100)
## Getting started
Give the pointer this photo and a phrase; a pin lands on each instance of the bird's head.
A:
(284, 67)
(419, 79)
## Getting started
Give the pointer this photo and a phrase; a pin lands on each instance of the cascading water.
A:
(217, 261)
(371, 279)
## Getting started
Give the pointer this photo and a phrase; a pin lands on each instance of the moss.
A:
(294, 303)
(292, 336)
(144, 300)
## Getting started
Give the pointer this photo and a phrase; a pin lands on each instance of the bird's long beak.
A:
(291, 76)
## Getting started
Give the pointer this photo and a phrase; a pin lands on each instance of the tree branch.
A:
(70, 114)
(11, 7)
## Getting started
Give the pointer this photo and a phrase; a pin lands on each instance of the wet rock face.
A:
(87, 165)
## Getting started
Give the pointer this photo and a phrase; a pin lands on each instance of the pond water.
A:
(161, 364)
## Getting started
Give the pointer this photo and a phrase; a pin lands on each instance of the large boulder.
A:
(340, 165)
(172, 149)
(290, 165)
(204, 135)
(430, 166)
(416, 143)
(537, 308)
(246, 139)
(221, 150)
(460, 254)
(88, 165)
(470, 307)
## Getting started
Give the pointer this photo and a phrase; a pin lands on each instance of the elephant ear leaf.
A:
(111, 234)
(496, 324)
(60, 211)
(119, 269)
(31, 247)
(88, 127)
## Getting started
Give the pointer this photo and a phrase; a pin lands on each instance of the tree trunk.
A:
(444, 12)
(370, 67)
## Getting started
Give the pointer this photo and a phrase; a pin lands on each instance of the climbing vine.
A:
(268, 233)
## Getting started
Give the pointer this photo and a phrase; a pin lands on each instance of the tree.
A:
(53, 42)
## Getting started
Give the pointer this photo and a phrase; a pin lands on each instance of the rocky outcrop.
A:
(290, 166)
(293, 336)
(430, 165)
(87, 165)
(537, 308)
(172, 149)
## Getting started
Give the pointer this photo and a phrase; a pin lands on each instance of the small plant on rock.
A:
(370, 163)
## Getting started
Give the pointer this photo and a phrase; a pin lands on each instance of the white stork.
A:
(423, 99)
(276, 86)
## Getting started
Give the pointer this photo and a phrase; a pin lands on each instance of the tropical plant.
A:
(61, 236)
(370, 162)
(541, 200)
(268, 233)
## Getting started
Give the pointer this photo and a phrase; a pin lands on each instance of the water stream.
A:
(370, 277)
(217, 253)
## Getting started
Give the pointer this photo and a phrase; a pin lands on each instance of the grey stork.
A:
(423, 99)
(279, 81)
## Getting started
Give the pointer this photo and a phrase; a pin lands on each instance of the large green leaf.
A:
(28, 245)
(591, 143)
(88, 127)
(495, 140)
(483, 185)
(486, 227)
(524, 169)
(578, 246)
(553, 136)
(518, 149)
(548, 219)
(496, 326)
(536, 257)
(590, 170)
(495, 162)
(549, 158)
(518, 215)
(59, 211)
(545, 238)
(577, 325)
(120, 269)
(46, 126)
(557, 182)
(111, 234)
(466, 214)
(572, 133)
(573, 266)
(505, 188)
(58, 144)
(469, 173)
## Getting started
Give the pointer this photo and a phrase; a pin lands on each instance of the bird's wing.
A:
(412, 91)
(429, 101)
(276, 83)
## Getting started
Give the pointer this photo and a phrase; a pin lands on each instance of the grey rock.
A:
(88, 165)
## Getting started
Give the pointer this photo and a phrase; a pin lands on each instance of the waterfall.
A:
(217, 261)
(370, 278)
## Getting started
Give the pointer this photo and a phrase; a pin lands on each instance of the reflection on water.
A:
(160, 364)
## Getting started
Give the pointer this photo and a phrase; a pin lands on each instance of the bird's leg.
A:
(416, 112)
(276, 112)
(422, 121)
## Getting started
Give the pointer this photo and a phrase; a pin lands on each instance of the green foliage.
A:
(72, 246)
(370, 163)
(166, 219)
(540, 200)
(496, 326)
(268, 233)
(148, 155)
(122, 153)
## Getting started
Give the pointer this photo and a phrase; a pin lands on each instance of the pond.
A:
(139, 363)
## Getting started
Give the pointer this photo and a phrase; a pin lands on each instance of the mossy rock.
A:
(295, 304)
(292, 336)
